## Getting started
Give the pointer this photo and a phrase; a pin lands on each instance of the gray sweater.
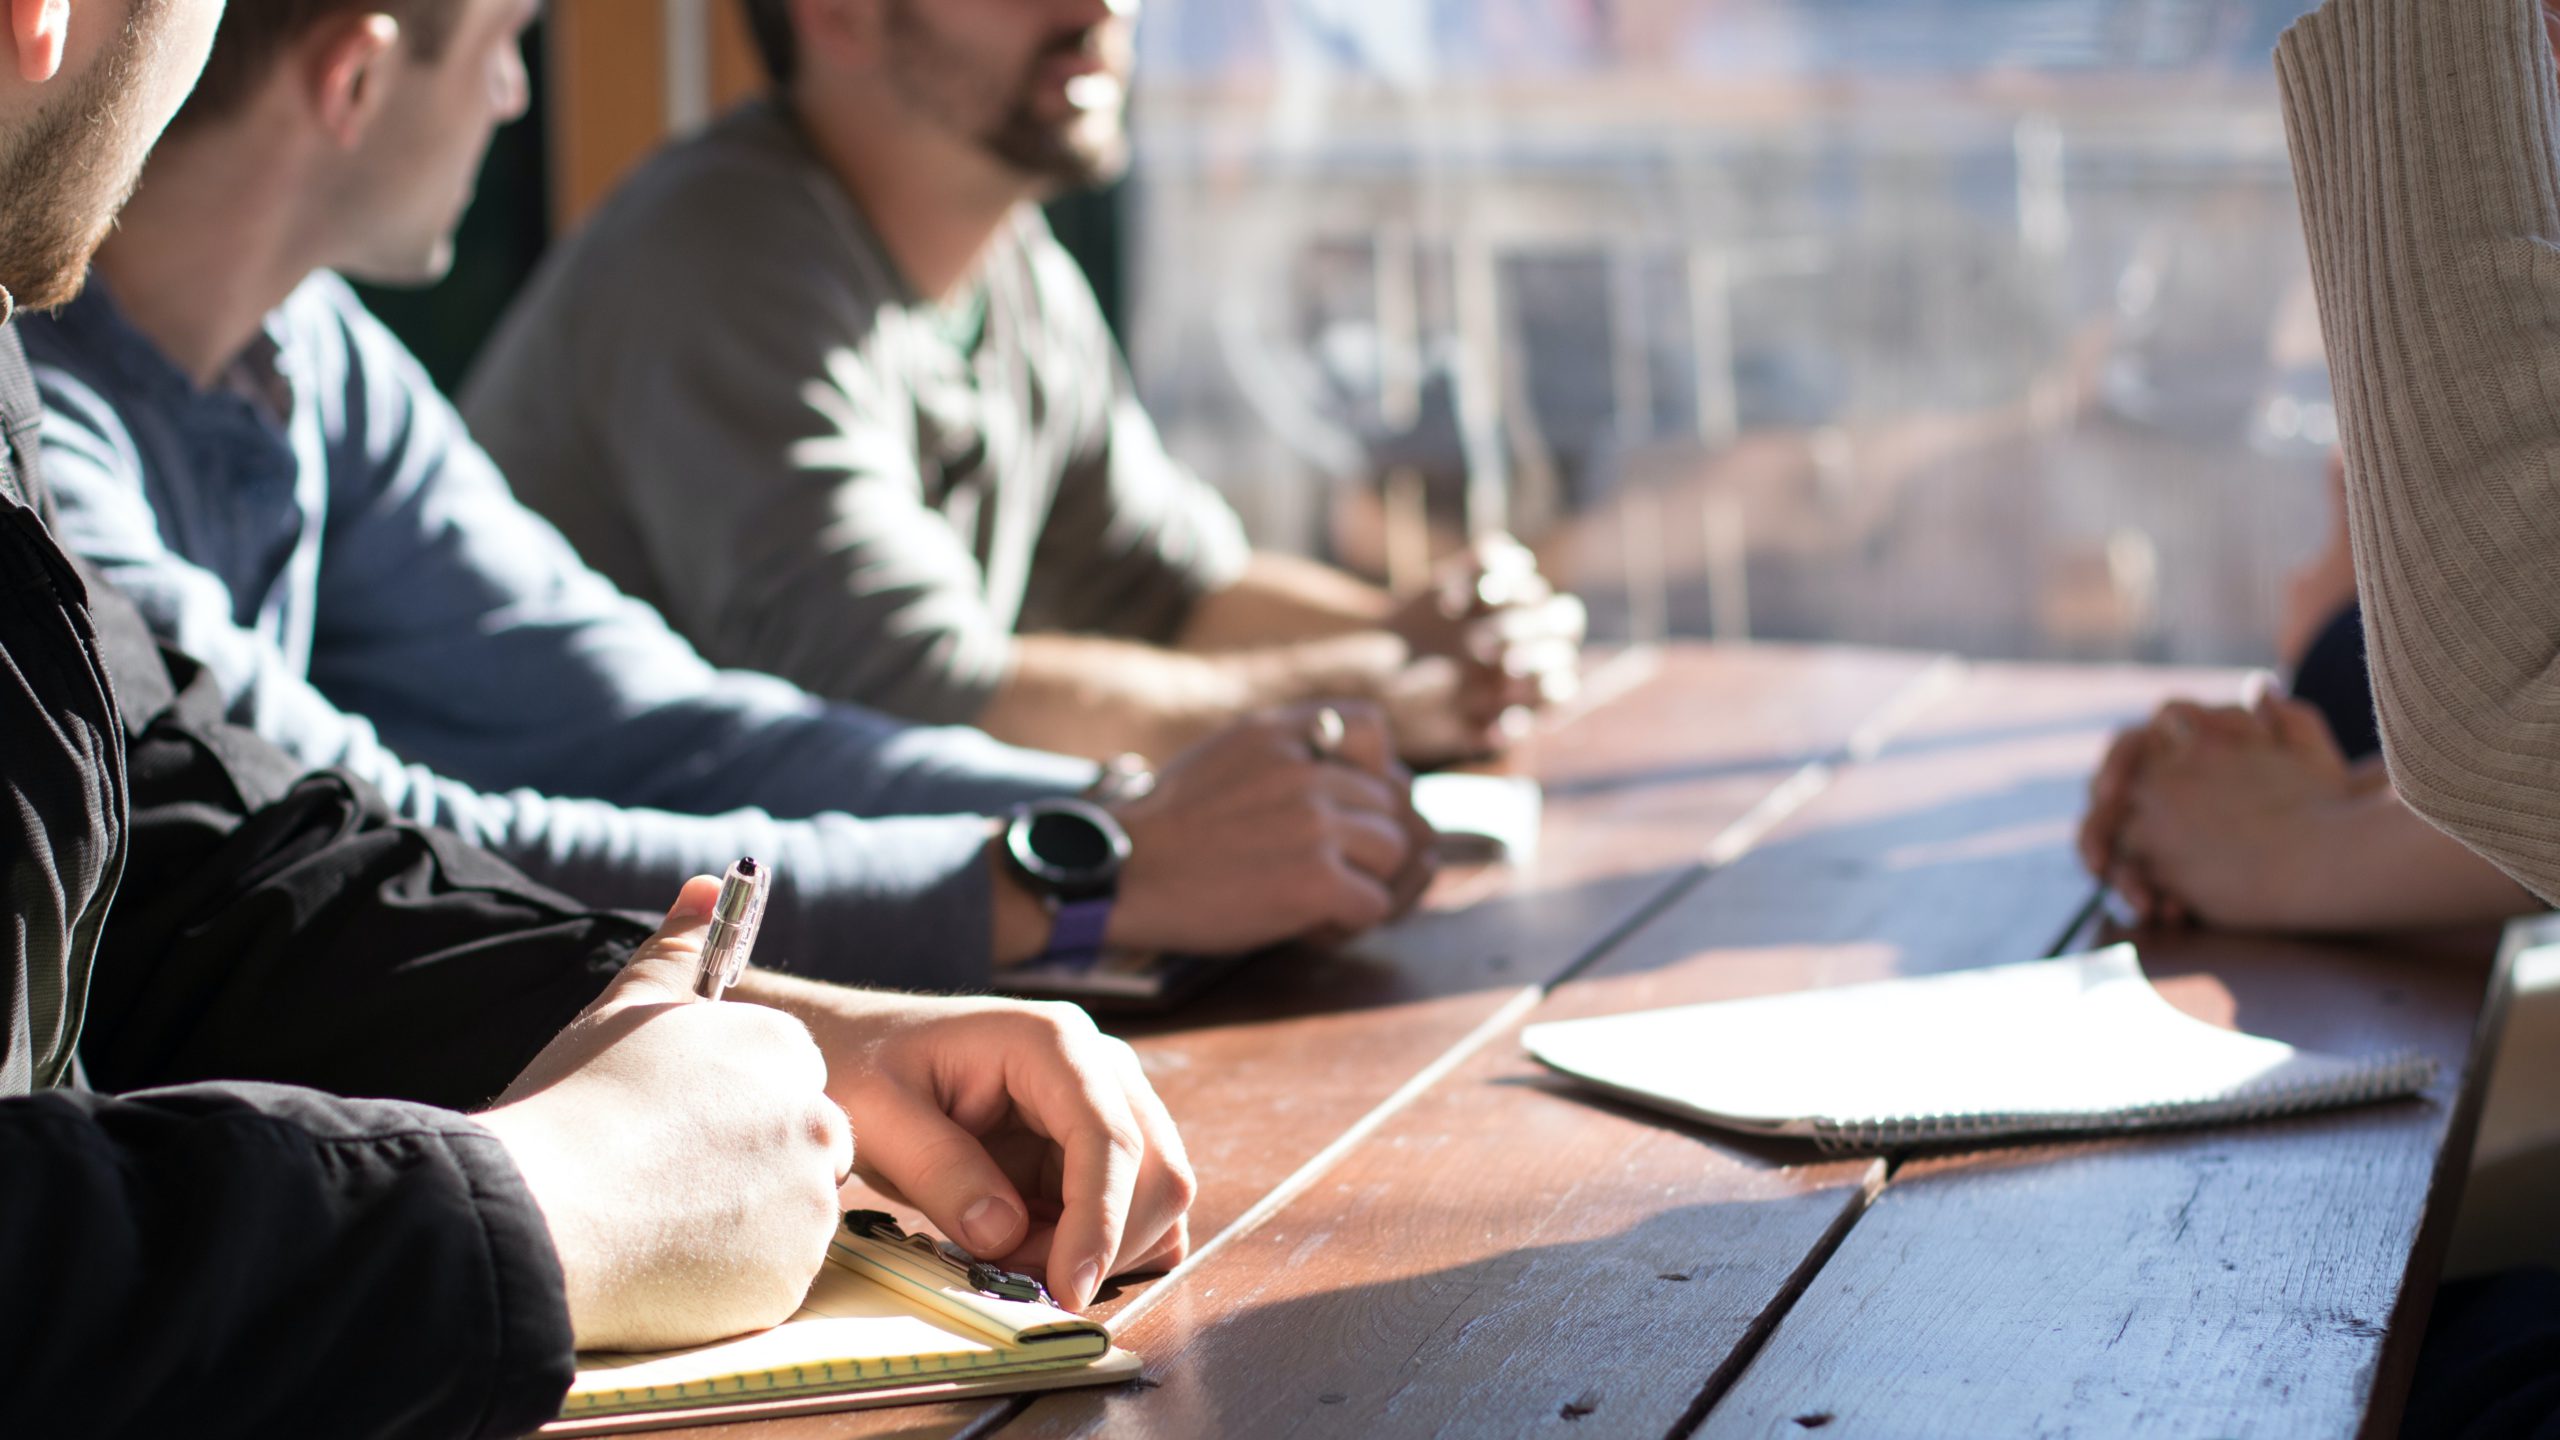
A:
(726, 396)
(2426, 145)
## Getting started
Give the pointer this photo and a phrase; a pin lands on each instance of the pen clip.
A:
(989, 1280)
(747, 928)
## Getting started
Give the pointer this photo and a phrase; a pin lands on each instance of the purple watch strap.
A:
(1075, 937)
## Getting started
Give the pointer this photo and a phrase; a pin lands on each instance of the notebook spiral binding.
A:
(2400, 1072)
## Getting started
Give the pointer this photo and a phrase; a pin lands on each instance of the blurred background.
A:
(1970, 324)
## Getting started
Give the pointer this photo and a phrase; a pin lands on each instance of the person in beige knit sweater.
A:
(2431, 216)
(2426, 150)
(2426, 143)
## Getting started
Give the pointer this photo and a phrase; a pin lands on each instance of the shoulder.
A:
(712, 212)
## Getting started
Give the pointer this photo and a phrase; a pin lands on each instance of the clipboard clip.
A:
(982, 1277)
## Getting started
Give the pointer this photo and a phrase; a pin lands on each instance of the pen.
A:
(734, 918)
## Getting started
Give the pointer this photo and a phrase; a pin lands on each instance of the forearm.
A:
(1280, 599)
(345, 1268)
(2381, 866)
(2423, 139)
(1096, 697)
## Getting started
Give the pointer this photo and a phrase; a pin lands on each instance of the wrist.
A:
(1020, 926)
(537, 1150)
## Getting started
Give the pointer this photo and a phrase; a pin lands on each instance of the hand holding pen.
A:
(685, 1156)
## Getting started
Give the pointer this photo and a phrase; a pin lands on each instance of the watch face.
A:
(1071, 848)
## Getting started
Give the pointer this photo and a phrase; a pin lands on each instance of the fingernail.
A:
(988, 1224)
(1088, 1282)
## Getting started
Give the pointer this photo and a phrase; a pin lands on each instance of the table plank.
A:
(2256, 1280)
(1505, 1256)
(1270, 1069)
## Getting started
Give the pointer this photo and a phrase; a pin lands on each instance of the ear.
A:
(342, 71)
(40, 30)
(843, 34)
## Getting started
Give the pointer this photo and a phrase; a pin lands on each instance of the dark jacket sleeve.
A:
(258, 1261)
(280, 925)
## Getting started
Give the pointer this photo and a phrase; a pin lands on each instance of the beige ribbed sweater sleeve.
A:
(2426, 146)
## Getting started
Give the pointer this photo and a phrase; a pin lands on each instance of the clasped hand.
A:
(1492, 642)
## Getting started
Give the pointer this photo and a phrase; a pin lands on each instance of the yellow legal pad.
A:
(884, 1324)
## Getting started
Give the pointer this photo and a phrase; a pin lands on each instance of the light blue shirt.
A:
(320, 531)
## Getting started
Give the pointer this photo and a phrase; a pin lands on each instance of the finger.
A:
(837, 1134)
(1156, 1233)
(2128, 881)
(1354, 900)
(1556, 620)
(661, 970)
(1103, 1157)
(1422, 862)
(1375, 843)
(1367, 741)
(2259, 694)
(1491, 690)
(2303, 727)
(2177, 725)
(1341, 788)
(941, 1169)
(2108, 790)
(1170, 1251)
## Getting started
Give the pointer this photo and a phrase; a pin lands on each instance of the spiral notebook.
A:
(887, 1322)
(2077, 1045)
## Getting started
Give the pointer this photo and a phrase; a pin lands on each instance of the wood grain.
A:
(1270, 1069)
(1505, 1256)
(2256, 1280)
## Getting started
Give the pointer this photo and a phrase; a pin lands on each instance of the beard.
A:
(64, 175)
(1086, 148)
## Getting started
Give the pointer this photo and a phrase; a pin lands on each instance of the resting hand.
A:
(1018, 1129)
(2225, 816)
(685, 1154)
(1250, 839)
(1492, 641)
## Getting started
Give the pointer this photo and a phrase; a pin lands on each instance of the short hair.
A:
(255, 34)
(769, 24)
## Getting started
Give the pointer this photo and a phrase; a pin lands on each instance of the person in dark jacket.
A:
(234, 1252)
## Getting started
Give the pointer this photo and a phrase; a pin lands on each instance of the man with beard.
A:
(820, 385)
(273, 479)
(223, 1258)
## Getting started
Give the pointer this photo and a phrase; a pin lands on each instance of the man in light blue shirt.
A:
(271, 476)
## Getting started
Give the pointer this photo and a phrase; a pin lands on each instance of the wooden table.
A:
(1406, 1228)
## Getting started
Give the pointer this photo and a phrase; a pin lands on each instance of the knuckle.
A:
(825, 1128)
(1120, 1135)
(1181, 1183)
(1064, 1019)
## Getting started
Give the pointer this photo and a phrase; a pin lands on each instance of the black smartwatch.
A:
(1070, 853)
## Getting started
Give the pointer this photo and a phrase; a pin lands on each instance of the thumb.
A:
(661, 970)
(2303, 727)
(942, 1170)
